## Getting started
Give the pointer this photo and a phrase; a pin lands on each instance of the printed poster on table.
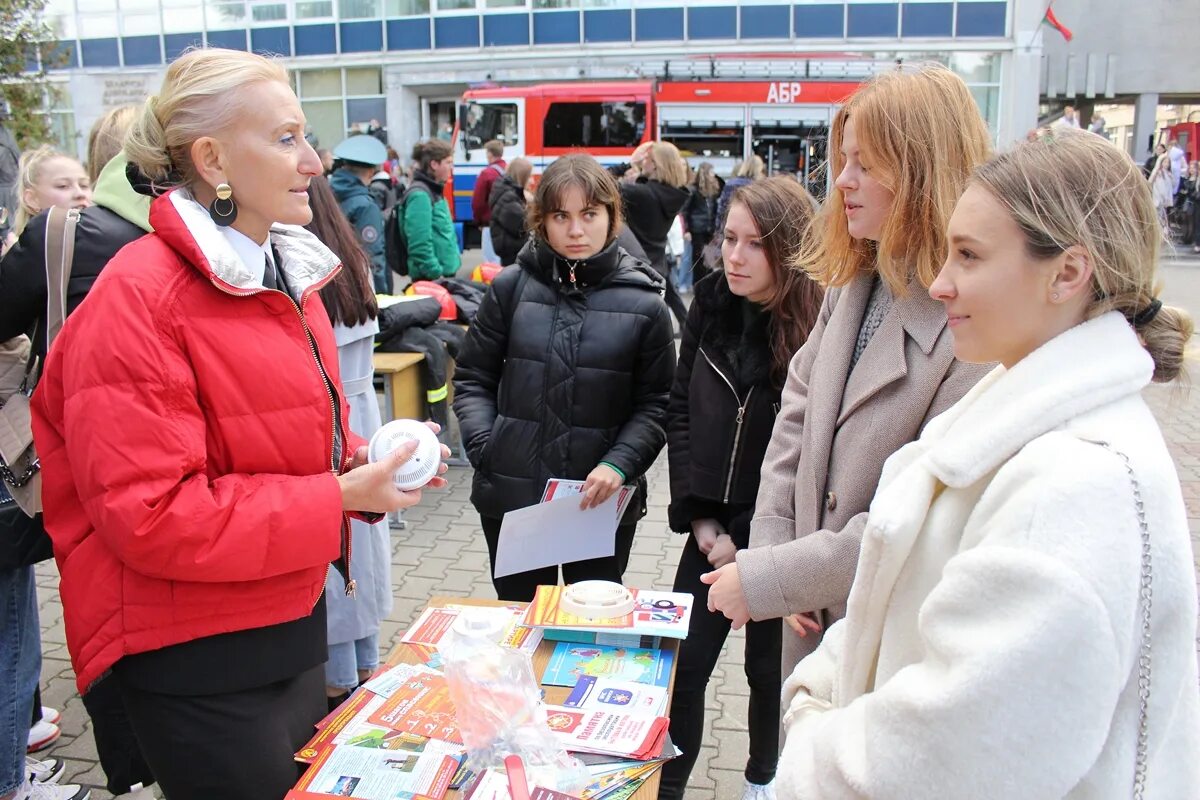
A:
(617, 695)
(615, 733)
(654, 613)
(570, 661)
(376, 775)
(422, 706)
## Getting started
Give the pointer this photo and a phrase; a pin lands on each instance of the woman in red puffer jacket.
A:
(198, 466)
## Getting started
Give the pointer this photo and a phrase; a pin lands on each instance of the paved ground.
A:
(442, 552)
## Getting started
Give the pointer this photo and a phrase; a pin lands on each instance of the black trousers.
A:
(234, 746)
(522, 586)
(698, 655)
(120, 756)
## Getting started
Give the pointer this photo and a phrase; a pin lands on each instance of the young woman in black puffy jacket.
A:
(507, 203)
(566, 369)
(745, 324)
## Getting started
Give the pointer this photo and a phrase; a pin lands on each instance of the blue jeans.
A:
(347, 658)
(681, 271)
(20, 666)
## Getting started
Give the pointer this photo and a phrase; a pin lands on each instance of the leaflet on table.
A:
(654, 614)
(592, 692)
(609, 783)
(421, 705)
(376, 775)
(493, 785)
(433, 624)
(561, 487)
(569, 662)
(636, 735)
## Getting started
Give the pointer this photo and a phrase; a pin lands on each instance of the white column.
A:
(1020, 74)
(404, 113)
(1145, 125)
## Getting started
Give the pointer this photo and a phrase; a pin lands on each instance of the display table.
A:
(403, 654)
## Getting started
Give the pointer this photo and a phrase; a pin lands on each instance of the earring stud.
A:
(1054, 296)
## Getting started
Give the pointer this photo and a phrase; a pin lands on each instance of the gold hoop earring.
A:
(223, 209)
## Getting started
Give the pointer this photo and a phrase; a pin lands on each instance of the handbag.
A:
(24, 540)
(1145, 601)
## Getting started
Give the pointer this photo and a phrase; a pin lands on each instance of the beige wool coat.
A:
(831, 438)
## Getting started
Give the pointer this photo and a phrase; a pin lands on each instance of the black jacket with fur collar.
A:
(721, 411)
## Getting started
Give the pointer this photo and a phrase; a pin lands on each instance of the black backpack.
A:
(394, 243)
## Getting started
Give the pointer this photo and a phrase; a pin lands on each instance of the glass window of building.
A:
(364, 81)
(269, 12)
(220, 15)
(456, 5)
(182, 16)
(358, 9)
(405, 8)
(594, 124)
(505, 3)
(314, 9)
(556, 3)
(60, 16)
(140, 23)
(61, 116)
(339, 102)
(325, 120)
(320, 83)
(89, 6)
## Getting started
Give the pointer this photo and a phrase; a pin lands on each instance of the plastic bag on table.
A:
(498, 704)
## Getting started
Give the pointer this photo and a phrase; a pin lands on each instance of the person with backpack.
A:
(356, 160)
(508, 231)
(481, 198)
(429, 244)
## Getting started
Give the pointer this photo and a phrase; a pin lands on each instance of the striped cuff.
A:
(615, 469)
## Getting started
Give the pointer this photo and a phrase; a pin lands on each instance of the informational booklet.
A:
(654, 613)
(557, 488)
(422, 706)
(570, 662)
(616, 695)
(350, 726)
(376, 775)
(434, 623)
(493, 785)
(638, 736)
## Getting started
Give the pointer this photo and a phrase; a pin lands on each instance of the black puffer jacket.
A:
(555, 378)
(700, 214)
(724, 375)
(507, 202)
(650, 209)
(99, 234)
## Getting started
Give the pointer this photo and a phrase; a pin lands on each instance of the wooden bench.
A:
(403, 389)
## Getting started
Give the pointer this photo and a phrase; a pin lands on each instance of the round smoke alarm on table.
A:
(424, 462)
(596, 600)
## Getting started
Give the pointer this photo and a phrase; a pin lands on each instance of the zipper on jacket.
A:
(737, 431)
(347, 539)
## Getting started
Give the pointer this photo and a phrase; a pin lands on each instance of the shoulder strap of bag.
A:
(60, 252)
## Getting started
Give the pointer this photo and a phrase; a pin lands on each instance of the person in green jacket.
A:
(428, 229)
(356, 160)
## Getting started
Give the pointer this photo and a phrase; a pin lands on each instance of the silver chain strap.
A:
(1146, 599)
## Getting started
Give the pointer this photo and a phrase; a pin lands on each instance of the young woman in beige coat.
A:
(879, 363)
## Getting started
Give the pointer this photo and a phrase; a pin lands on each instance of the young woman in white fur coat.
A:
(994, 633)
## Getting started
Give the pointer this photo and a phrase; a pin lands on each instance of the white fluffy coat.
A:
(991, 640)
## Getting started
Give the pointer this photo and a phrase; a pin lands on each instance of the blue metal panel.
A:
(712, 22)
(607, 25)
(365, 36)
(456, 32)
(231, 40)
(556, 27)
(506, 30)
(872, 19)
(176, 43)
(409, 34)
(659, 24)
(277, 41)
(315, 40)
(63, 56)
(766, 22)
(928, 19)
(141, 50)
(819, 22)
(100, 52)
(981, 19)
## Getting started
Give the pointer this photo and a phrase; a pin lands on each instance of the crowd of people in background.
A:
(903, 427)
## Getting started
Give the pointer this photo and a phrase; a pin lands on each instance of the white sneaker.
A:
(42, 735)
(138, 792)
(52, 791)
(758, 791)
(47, 771)
(52, 715)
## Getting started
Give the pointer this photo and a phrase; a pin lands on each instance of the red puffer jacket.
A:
(186, 438)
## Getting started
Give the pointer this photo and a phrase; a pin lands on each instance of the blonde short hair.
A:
(752, 168)
(107, 137)
(669, 166)
(198, 98)
(922, 131)
(1069, 187)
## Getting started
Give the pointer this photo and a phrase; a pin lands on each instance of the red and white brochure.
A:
(638, 736)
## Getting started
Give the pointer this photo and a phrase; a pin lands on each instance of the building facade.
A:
(403, 63)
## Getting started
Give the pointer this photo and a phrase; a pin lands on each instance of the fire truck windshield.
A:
(482, 122)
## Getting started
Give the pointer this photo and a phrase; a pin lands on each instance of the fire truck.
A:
(719, 121)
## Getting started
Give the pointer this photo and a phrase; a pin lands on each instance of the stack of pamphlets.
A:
(655, 615)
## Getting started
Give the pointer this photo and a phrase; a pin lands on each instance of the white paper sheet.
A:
(557, 532)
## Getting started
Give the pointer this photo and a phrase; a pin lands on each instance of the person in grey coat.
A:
(353, 622)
